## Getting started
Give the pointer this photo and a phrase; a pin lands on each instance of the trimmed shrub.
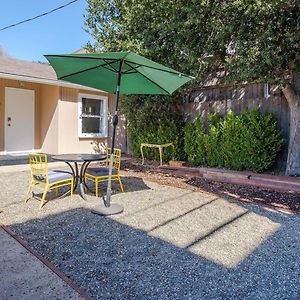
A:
(214, 157)
(262, 140)
(195, 140)
(250, 141)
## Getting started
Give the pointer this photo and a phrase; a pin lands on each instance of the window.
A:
(92, 112)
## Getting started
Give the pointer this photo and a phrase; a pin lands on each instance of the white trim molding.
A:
(103, 116)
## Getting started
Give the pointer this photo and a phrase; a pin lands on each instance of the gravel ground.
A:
(170, 242)
(288, 202)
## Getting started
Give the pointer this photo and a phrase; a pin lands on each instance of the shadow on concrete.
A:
(112, 260)
(9, 160)
(17, 159)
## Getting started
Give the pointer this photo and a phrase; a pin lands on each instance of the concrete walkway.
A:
(24, 276)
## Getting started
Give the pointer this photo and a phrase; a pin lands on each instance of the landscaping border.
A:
(47, 263)
(265, 181)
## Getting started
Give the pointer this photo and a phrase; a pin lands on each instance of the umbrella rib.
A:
(81, 57)
(89, 69)
(79, 72)
(105, 67)
(150, 80)
(130, 70)
(168, 71)
(109, 63)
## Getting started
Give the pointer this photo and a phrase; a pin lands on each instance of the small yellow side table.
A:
(160, 148)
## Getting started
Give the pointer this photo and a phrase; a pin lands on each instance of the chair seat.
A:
(100, 171)
(55, 175)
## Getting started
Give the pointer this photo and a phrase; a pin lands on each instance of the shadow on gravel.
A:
(280, 201)
(131, 184)
(111, 260)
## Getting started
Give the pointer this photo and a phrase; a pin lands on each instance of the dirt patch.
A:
(288, 202)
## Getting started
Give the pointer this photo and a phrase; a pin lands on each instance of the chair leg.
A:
(44, 196)
(72, 187)
(97, 187)
(28, 192)
(56, 191)
(121, 185)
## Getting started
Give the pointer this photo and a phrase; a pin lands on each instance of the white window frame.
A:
(105, 116)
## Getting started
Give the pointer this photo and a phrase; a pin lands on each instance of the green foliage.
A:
(195, 141)
(195, 39)
(264, 35)
(250, 141)
(213, 146)
(232, 145)
(262, 140)
(153, 119)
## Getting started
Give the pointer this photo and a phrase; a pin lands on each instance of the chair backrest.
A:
(38, 166)
(116, 160)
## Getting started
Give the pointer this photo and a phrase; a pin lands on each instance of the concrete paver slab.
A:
(23, 276)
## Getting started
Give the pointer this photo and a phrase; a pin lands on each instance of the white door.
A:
(19, 119)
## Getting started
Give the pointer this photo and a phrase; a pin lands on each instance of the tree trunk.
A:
(293, 159)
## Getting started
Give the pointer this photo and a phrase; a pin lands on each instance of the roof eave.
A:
(46, 81)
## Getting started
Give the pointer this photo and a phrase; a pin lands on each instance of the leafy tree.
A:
(252, 40)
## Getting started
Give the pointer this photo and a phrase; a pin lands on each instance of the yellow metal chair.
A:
(47, 180)
(100, 174)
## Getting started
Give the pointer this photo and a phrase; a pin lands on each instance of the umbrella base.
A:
(103, 210)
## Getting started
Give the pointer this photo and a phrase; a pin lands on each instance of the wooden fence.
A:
(204, 101)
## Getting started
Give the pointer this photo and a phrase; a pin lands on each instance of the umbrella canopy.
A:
(117, 72)
(100, 70)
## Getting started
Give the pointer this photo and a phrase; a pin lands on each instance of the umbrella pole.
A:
(107, 208)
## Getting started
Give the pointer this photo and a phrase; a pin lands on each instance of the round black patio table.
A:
(85, 159)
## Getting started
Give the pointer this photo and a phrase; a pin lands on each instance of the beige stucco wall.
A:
(56, 119)
(49, 119)
(68, 139)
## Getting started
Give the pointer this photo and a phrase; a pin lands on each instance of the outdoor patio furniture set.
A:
(42, 177)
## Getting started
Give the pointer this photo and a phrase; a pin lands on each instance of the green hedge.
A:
(154, 119)
(250, 141)
(168, 131)
(195, 141)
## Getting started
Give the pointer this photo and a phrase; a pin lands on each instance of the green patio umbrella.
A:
(118, 73)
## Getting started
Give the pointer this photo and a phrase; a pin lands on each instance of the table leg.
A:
(160, 154)
(74, 173)
(142, 155)
(173, 151)
(81, 180)
(83, 174)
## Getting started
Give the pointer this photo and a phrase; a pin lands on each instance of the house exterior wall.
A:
(56, 119)
(68, 139)
(49, 119)
(22, 85)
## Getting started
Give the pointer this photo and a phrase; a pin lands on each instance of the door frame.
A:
(5, 121)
